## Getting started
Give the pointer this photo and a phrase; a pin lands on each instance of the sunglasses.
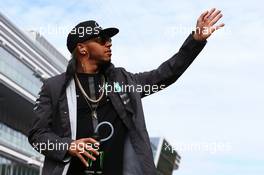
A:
(102, 40)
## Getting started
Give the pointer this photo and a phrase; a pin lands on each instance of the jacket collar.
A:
(71, 68)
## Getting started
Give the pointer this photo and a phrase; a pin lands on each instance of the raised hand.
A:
(206, 24)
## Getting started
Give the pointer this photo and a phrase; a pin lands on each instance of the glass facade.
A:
(16, 154)
(18, 72)
(16, 140)
(9, 167)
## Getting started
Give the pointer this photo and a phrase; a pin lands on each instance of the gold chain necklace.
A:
(87, 98)
(84, 93)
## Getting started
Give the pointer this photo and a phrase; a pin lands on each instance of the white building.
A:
(25, 60)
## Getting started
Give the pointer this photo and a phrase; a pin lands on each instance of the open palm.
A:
(206, 24)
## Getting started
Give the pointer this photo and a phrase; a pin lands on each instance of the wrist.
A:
(197, 37)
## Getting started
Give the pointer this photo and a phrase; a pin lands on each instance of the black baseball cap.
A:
(87, 30)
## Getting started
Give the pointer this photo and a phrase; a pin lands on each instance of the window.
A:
(18, 72)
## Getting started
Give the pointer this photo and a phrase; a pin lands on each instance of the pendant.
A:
(94, 114)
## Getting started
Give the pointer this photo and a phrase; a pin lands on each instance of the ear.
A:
(81, 49)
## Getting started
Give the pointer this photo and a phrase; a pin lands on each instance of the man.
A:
(78, 105)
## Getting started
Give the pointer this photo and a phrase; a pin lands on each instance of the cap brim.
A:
(109, 32)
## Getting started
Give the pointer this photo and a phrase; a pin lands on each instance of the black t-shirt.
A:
(113, 148)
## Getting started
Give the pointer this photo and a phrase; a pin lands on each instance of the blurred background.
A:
(212, 116)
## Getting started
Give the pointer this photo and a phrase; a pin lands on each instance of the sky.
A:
(213, 115)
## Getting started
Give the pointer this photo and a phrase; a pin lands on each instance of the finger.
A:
(82, 159)
(212, 16)
(88, 155)
(89, 140)
(217, 27)
(215, 19)
(82, 150)
(203, 15)
(210, 12)
(91, 149)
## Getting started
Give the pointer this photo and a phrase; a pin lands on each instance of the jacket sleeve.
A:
(41, 136)
(169, 71)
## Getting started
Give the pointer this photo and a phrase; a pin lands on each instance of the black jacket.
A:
(54, 110)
